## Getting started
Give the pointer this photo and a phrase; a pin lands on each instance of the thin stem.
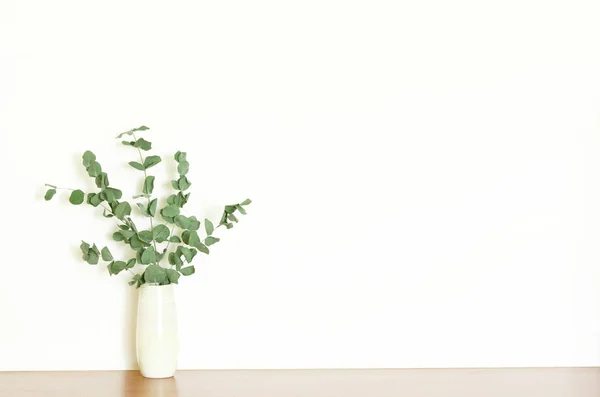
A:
(147, 198)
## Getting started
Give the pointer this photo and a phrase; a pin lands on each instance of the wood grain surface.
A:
(548, 382)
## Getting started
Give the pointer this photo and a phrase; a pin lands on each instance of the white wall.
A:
(425, 177)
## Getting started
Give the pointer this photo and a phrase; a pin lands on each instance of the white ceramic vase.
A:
(157, 339)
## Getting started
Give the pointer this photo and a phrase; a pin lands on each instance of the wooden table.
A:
(552, 382)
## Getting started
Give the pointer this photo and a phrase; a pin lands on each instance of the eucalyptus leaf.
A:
(183, 183)
(232, 218)
(142, 144)
(170, 210)
(151, 161)
(85, 247)
(246, 202)
(49, 194)
(76, 197)
(230, 209)
(155, 274)
(183, 168)
(136, 279)
(194, 224)
(130, 263)
(175, 185)
(49, 185)
(174, 239)
(130, 132)
(160, 233)
(145, 236)
(187, 253)
(188, 271)
(148, 256)
(102, 180)
(94, 199)
(152, 207)
(136, 244)
(202, 248)
(94, 169)
(137, 165)
(143, 209)
(211, 240)
(241, 209)
(117, 267)
(117, 236)
(123, 209)
(148, 185)
(182, 221)
(209, 227)
(172, 275)
(88, 157)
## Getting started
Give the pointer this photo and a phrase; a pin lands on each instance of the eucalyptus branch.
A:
(144, 242)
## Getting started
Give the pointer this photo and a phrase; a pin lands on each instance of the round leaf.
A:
(160, 233)
(170, 210)
(76, 197)
(155, 274)
(49, 194)
(188, 271)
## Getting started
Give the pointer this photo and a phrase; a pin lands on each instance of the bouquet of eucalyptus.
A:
(177, 239)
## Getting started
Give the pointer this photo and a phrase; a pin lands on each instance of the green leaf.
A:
(111, 194)
(172, 275)
(123, 209)
(151, 161)
(148, 185)
(180, 156)
(85, 247)
(123, 227)
(136, 244)
(128, 143)
(49, 185)
(223, 219)
(106, 255)
(202, 248)
(142, 144)
(182, 221)
(49, 194)
(145, 236)
(128, 233)
(194, 224)
(76, 197)
(107, 214)
(232, 218)
(94, 169)
(137, 165)
(169, 219)
(117, 236)
(143, 209)
(246, 202)
(152, 207)
(175, 259)
(170, 210)
(155, 274)
(228, 225)
(92, 255)
(88, 157)
(188, 271)
(187, 253)
(183, 168)
(183, 183)
(160, 233)
(136, 279)
(209, 227)
(174, 239)
(94, 199)
(130, 132)
(130, 263)
(230, 209)
(175, 185)
(190, 237)
(148, 256)
(102, 180)
(211, 240)
(117, 267)
(241, 209)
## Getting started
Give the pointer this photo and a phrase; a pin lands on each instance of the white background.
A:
(425, 177)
